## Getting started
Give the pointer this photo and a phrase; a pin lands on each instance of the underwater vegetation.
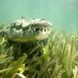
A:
(59, 59)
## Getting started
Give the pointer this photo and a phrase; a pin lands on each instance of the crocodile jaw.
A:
(40, 35)
(43, 35)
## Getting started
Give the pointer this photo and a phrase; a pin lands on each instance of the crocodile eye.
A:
(44, 29)
(37, 29)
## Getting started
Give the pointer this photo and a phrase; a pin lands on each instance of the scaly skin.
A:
(23, 30)
(24, 35)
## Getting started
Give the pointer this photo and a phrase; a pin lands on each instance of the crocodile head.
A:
(23, 30)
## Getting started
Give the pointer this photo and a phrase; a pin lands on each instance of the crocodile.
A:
(27, 30)
(24, 34)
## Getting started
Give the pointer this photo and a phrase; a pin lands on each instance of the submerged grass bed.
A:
(58, 60)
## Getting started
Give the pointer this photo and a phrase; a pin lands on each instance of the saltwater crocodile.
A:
(23, 34)
(27, 30)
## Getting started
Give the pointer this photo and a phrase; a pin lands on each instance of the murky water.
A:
(62, 13)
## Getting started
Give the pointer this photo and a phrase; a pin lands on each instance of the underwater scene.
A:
(38, 38)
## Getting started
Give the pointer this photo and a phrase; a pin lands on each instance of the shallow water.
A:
(62, 13)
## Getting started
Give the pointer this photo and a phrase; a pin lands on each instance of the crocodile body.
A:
(27, 30)
(23, 36)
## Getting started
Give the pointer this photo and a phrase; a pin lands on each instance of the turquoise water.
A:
(62, 13)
